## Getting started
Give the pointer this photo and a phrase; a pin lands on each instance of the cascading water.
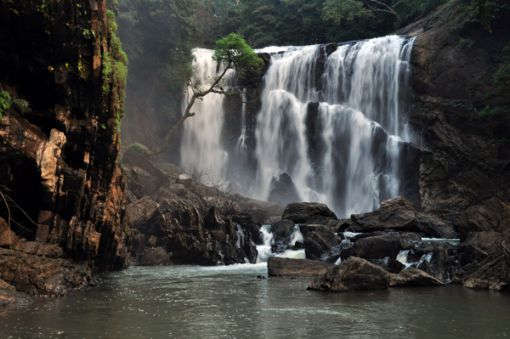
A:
(332, 120)
(202, 152)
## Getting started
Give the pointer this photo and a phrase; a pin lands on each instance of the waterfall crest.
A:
(334, 121)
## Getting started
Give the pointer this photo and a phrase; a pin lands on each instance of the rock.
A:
(6, 299)
(38, 275)
(353, 274)
(309, 213)
(320, 242)
(377, 247)
(282, 231)
(400, 215)
(157, 256)
(283, 191)
(59, 159)
(6, 286)
(7, 236)
(283, 267)
(413, 277)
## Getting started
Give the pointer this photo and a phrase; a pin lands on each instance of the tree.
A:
(233, 52)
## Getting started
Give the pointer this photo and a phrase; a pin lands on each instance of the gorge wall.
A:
(62, 74)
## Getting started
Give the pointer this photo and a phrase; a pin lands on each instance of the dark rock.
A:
(283, 267)
(282, 231)
(320, 242)
(353, 274)
(400, 215)
(38, 275)
(283, 191)
(309, 213)
(154, 257)
(378, 247)
(413, 277)
(7, 236)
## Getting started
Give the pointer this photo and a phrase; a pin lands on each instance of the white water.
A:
(202, 152)
(335, 130)
(264, 250)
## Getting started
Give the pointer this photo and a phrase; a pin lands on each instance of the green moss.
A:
(5, 102)
(114, 71)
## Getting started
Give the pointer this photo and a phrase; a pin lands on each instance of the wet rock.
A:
(377, 247)
(309, 213)
(413, 277)
(400, 215)
(353, 274)
(282, 232)
(320, 242)
(283, 267)
(38, 275)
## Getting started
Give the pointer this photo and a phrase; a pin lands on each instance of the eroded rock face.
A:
(400, 215)
(180, 221)
(464, 177)
(58, 157)
(353, 274)
(283, 267)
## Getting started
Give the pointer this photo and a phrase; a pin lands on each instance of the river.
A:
(233, 302)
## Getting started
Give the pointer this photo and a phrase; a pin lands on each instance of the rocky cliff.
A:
(62, 74)
(462, 115)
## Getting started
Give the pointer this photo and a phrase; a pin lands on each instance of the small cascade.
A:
(241, 142)
(265, 250)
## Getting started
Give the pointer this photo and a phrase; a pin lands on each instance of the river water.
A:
(232, 302)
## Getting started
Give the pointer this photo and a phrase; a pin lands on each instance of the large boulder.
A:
(400, 215)
(377, 247)
(320, 242)
(283, 267)
(309, 213)
(353, 274)
(413, 277)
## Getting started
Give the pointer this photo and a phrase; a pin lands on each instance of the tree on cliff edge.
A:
(232, 52)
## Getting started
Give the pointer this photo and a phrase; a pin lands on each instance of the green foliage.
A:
(114, 70)
(488, 12)
(21, 105)
(233, 50)
(344, 12)
(5, 102)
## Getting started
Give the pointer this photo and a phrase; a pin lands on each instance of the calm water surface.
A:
(230, 302)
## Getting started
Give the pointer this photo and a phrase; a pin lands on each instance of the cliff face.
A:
(62, 75)
(462, 114)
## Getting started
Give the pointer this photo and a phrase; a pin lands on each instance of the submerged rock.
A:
(353, 274)
(283, 267)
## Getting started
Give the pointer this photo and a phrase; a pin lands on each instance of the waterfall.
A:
(202, 152)
(332, 119)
